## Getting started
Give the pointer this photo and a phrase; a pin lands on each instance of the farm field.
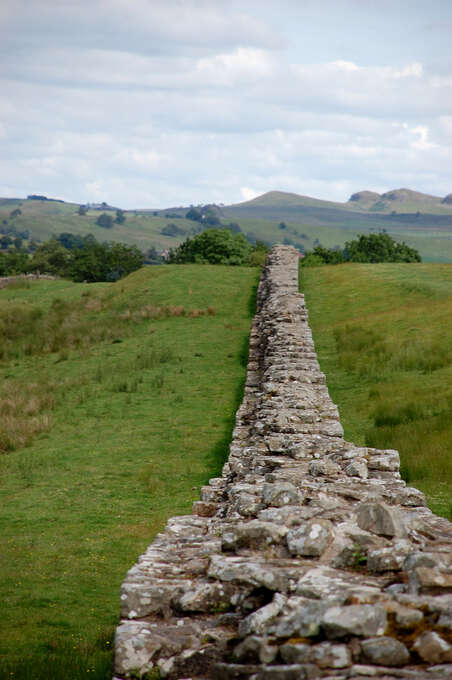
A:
(117, 408)
(382, 334)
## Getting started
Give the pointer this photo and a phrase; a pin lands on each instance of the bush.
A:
(105, 221)
(214, 246)
(172, 229)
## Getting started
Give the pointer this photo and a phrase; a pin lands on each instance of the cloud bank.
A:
(149, 103)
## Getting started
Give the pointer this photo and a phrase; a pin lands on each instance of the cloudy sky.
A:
(154, 103)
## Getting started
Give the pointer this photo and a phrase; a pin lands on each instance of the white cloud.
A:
(248, 194)
(162, 102)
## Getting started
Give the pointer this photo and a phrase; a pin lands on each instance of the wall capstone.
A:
(309, 557)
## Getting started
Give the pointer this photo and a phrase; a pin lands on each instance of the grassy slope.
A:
(382, 334)
(137, 427)
(43, 218)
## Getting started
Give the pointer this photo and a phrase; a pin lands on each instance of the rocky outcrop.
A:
(447, 200)
(309, 557)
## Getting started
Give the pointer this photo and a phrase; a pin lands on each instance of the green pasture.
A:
(383, 338)
(137, 414)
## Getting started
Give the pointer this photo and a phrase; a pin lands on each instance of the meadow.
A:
(382, 334)
(118, 403)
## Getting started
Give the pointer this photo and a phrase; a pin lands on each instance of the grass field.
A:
(382, 333)
(133, 415)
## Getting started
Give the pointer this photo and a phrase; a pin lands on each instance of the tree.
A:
(172, 229)
(214, 246)
(120, 216)
(104, 261)
(379, 248)
(105, 221)
(194, 214)
(50, 258)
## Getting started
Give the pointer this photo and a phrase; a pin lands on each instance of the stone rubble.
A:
(309, 558)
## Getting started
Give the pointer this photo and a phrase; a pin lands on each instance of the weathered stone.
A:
(385, 651)
(388, 559)
(248, 572)
(323, 468)
(310, 539)
(256, 649)
(258, 622)
(363, 620)
(295, 652)
(387, 460)
(203, 509)
(357, 468)
(205, 597)
(405, 618)
(135, 647)
(302, 620)
(280, 494)
(432, 648)
(253, 534)
(329, 655)
(325, 584)
(432, 580)
(380, 519)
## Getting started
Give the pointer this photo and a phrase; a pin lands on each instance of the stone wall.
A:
(8, 280)
(309, 557)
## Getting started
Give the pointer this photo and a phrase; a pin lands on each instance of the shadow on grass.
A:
(218, 455)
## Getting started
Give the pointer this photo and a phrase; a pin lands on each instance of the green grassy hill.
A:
(382, 333)
(117, 404)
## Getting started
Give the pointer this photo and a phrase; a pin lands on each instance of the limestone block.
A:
(295, 652)
(430, 579)
(204, 597)
(385, 651)
(259, 621)
(323, 468)
(362, 620)
(135, 648)
(357, 468)
(254, 534)
(380, 519)
(386, 461)
(302, 620)
(330, 655)
(389, 559)
(281, 493)
(248, 571)
(203, 509)
(256, 649)
(432, 648)
(310, 539)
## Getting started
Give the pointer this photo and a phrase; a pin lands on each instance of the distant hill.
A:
(399, 200)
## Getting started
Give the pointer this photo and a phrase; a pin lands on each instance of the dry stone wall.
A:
(309, 557)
